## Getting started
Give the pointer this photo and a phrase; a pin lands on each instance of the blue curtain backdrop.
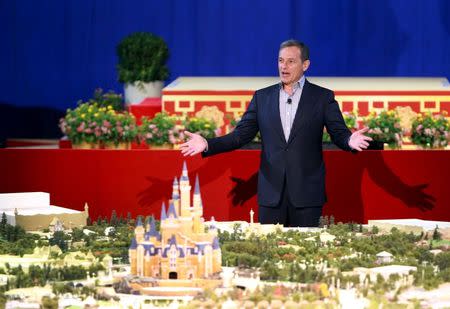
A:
(56, 52)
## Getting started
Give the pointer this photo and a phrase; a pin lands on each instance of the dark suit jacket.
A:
(299, 160)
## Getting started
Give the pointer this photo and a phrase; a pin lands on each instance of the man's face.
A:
(290, 65)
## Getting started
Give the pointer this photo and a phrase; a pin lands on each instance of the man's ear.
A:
(305, 65)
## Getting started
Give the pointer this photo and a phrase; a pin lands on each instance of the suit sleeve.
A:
(245, 132)
(335, 124)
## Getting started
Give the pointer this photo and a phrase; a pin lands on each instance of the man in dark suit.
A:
(290, 116)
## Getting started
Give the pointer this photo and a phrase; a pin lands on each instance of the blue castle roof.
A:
(197, 185)
(215, 243)
(133, 244)
(172, 211)
(163, 212)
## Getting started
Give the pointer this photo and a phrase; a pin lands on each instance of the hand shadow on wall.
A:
(349, 180)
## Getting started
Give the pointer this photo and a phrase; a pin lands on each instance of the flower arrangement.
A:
(202, 126)
(83, 123)
(89, 123)
(350, 121)
(385, 127)
(430, 131)
(121, 128)
(160, 130)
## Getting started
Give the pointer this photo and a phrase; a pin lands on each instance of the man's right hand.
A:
(194, 145)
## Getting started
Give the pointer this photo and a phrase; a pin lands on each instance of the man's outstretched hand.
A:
(194, 145)
(358, 140)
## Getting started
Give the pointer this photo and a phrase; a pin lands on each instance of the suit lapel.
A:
(304, 104)
(274, 102)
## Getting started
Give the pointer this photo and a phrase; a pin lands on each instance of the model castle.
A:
(182, 248)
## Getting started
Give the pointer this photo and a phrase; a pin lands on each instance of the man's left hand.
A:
(358, 141)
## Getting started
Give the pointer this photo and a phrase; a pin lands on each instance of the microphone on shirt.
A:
(289, 101)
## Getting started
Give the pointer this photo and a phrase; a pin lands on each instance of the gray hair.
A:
(304, 50)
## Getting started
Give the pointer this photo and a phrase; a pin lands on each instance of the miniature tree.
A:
(436, 234)
(3, 223)
(113, 220)
(325, 221)
(331, 220)
(321, 222)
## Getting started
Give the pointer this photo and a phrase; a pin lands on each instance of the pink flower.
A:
(88, 131)
(149, 135)
(106, 123)
(81, 127)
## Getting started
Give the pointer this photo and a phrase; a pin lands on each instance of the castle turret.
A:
(185, 190)
(139, 230)
(132, 255)
(176, 196)
(197, 199)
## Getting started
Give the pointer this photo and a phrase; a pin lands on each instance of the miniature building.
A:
(181, 249)
(56, 225)
(384, 257)
(32, 211)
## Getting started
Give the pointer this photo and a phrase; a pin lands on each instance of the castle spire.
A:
(197, 185)
(172, 212)
(139, 221)
(163, 212)
(184, 173)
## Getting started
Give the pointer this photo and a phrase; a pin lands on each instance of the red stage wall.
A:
(368, 185)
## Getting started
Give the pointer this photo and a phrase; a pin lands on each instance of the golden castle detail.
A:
(182, 249)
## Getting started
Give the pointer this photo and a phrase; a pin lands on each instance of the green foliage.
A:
(202, 126)
(110, 98)
(430, 131)
(385, 127)
(142, 57)
(436, 234)
(60, 239)
(442, 260)
(14, 240)
(159, 130)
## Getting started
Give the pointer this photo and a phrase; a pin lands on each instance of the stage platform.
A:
(225, 98)
(361, 187)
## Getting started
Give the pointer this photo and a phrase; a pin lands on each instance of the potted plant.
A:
(82, 125)
(202, 126)
(385, 127)
(141, 67)
(122, 131)
(430, 131)
(160, 131)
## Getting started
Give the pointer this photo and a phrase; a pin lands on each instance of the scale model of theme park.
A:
(53, 257)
